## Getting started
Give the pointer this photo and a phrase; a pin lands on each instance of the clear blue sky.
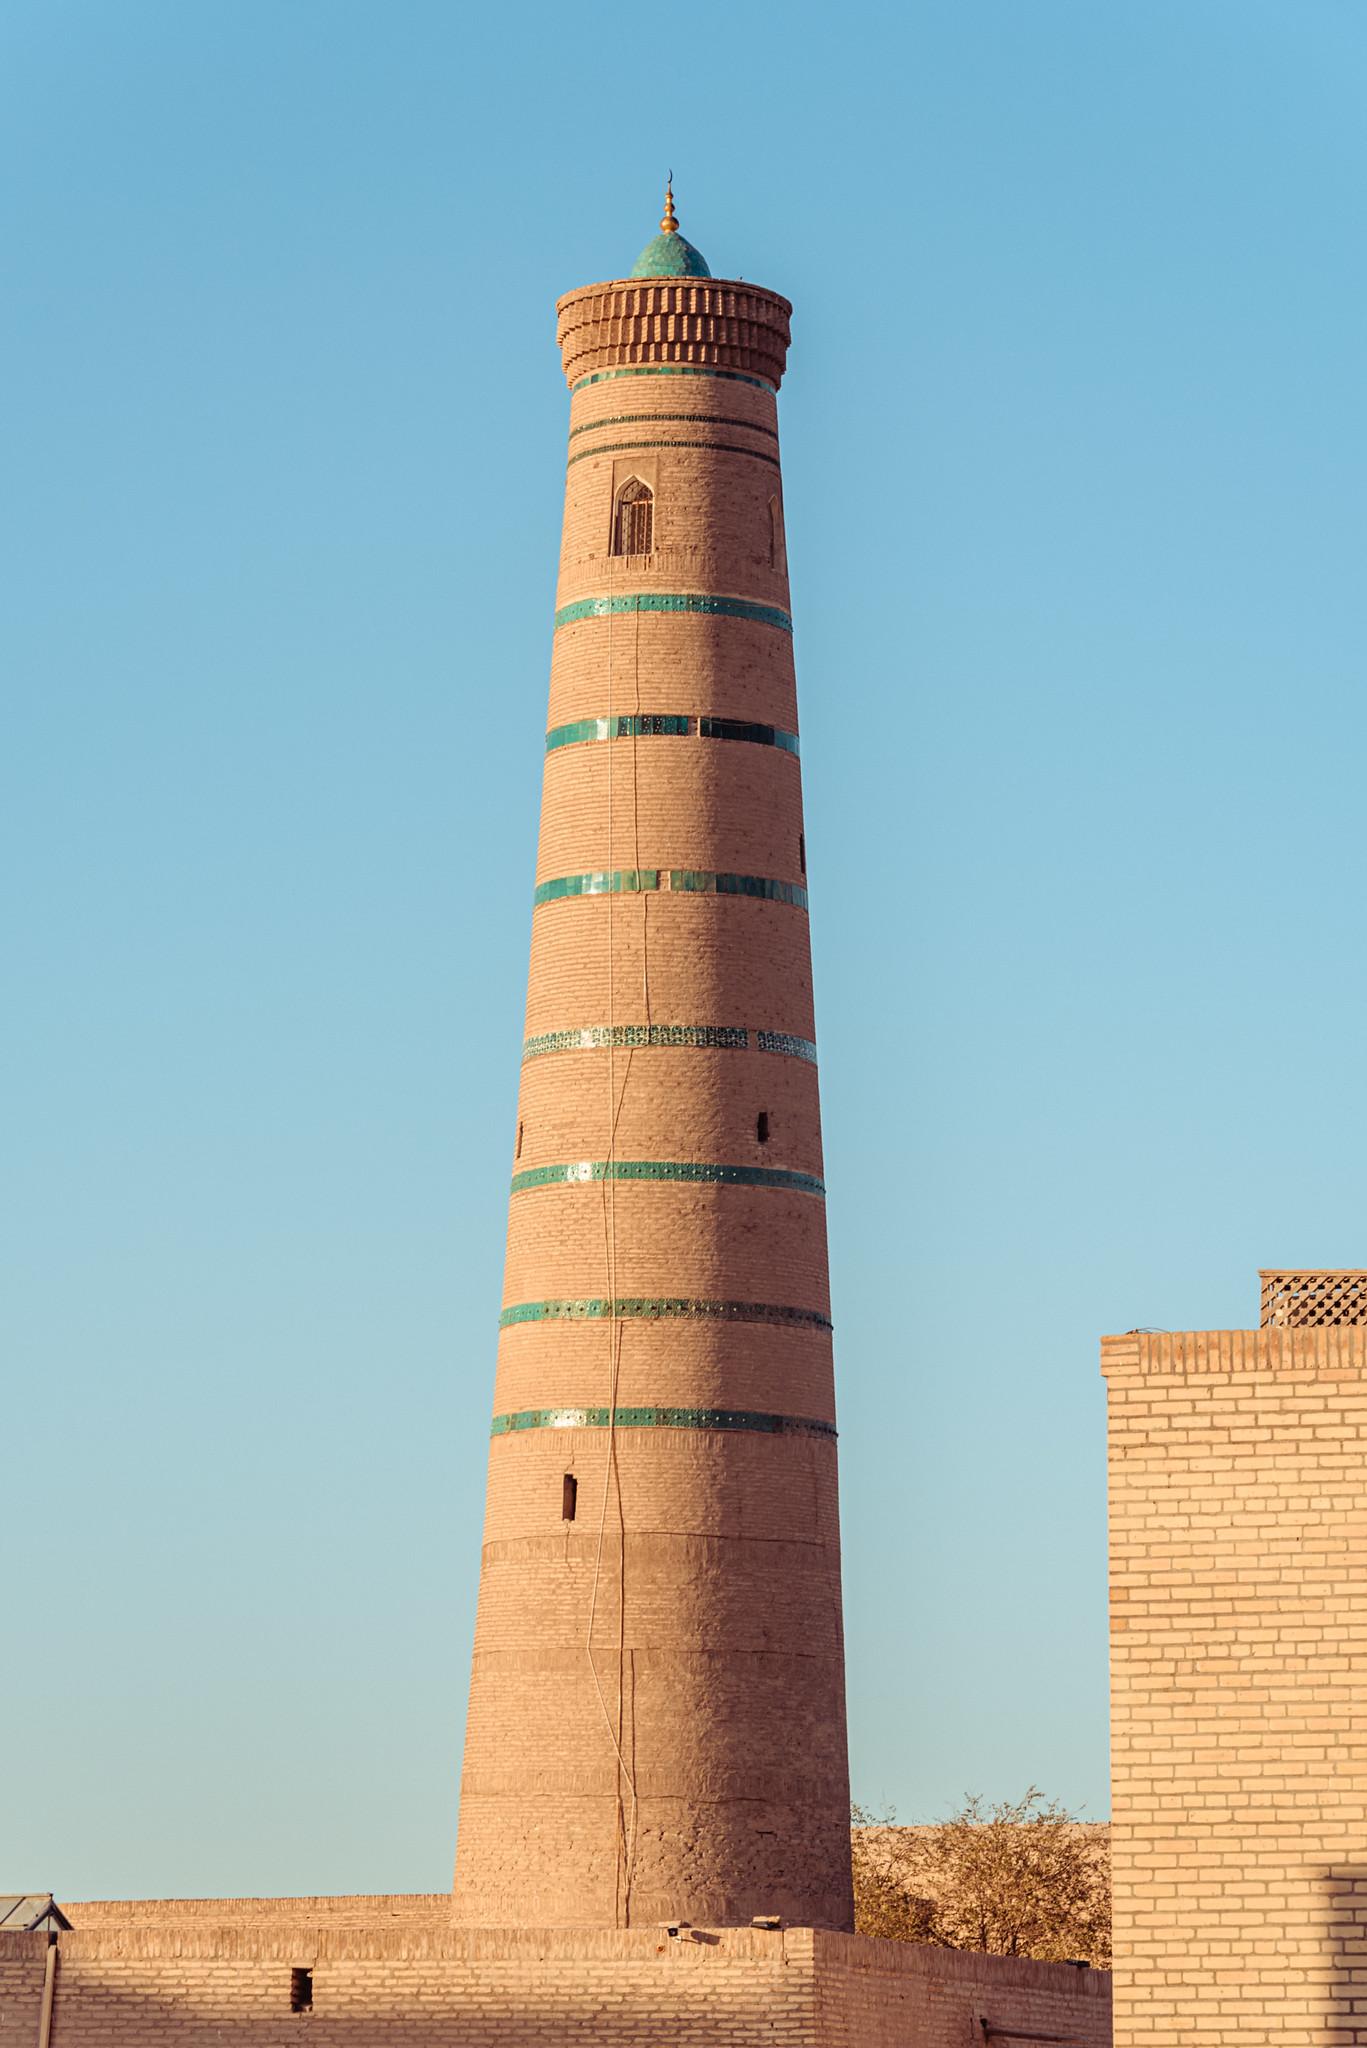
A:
(1074, 446)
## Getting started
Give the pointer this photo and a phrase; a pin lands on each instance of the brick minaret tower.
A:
(657, 1712)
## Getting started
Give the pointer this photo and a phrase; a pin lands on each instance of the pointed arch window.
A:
(633, 522)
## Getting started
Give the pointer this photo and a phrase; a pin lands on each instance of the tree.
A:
(1022, 1878)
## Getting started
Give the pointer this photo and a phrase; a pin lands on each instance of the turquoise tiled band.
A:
(699, 1172)
(594, 1037)
(659, 1418)
(659, 1308)
(785, 1042)
(675, 370)
(716, 447)
(669, 725)
(678, 881)
(674, 601)
(707, 1037)
(671, 419)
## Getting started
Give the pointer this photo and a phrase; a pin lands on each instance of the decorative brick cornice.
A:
(1162, 1353)
(695, 320)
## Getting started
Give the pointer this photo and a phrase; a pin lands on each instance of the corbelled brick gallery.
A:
(654, 1827)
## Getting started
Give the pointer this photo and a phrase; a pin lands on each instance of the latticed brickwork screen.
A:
(1305, 1301)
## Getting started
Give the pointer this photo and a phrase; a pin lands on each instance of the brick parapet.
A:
(368, 1909)
(951, 2000)
(343, 1929)
(203, 1971)
(1152, 1354)
(701, 321)
(283, 1934)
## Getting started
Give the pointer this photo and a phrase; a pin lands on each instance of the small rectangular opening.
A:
(518, 1153)
(569, 1498)
(301, 1990)
(762, 1127)
(802, 851)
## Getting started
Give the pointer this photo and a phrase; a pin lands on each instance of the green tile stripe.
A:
(671, 419)
(697, 882)
(669, 725)
(677, 881)
(637, 725)
(698, 1172)
(598, 1037)
(705, 1037)
(675, 370)
(675, 601)
(716, 447)
(621, 882)
(660, 1308)
(784, 1042)
(660, 1418)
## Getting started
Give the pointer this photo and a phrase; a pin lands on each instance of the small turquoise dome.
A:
(670, 256)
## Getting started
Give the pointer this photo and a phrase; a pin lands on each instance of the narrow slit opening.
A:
(802, 852)
(762, 1127)
(569, 1498)
(518, 1153)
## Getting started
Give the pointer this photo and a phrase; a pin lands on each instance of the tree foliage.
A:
(1022, 1878)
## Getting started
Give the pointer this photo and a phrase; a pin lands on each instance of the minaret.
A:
(657, 1709)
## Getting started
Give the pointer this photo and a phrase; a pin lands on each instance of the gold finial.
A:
(669, 225)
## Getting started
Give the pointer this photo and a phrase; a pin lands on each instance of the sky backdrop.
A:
(1074, 439)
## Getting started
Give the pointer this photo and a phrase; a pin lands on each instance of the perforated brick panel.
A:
(1313, 1301)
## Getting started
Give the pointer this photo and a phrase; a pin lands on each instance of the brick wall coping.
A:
(297, 1932)
(968, 1966)
(366, 1906)
(1328, 1351)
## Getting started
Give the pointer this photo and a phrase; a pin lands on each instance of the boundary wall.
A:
(392, 1970)
(1238, 1537)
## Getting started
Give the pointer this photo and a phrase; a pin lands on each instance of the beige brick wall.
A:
(22, 1960)
(895, 1994)
(156, 1974)
(1238, 1515)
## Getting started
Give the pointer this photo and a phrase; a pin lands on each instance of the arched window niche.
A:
(633, 519)
(777, 552)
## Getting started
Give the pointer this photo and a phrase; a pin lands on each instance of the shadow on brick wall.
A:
(1343, 1891)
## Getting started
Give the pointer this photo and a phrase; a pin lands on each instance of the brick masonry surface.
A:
(657, 1717)
(172, 1974)
(1238, 1521)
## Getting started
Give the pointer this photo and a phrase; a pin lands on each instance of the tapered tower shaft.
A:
(657, 1719)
